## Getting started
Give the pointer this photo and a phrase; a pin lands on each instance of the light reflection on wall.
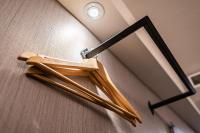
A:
(75, 37)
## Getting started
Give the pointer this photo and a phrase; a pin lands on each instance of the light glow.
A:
(94, 10)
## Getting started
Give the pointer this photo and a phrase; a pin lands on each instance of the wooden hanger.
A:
(108, 87)
(86, 64)
(88, 67)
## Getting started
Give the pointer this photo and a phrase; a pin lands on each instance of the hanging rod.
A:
(147, 24)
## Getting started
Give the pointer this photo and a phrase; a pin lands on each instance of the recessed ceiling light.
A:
(94, 10)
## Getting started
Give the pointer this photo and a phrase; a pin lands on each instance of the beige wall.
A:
(27, 105)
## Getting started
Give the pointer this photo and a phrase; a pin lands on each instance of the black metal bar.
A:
(150, 28)
(154, 34)
(167, 101)
(111, 41)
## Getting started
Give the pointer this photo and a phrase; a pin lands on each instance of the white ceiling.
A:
(102, 32)
(177, 21)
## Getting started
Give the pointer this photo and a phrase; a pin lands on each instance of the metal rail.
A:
(156, 37)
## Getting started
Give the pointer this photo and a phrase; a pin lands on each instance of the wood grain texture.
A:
(26, 105)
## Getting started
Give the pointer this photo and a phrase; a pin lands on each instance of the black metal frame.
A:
(154, 34)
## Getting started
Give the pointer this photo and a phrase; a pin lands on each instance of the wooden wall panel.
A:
(26, 105)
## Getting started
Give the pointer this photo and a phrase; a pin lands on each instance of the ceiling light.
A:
(94, 10)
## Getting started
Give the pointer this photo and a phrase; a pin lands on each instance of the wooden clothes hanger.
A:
(44, 65)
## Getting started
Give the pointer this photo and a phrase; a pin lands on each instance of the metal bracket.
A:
(159, 42)
(84, 53)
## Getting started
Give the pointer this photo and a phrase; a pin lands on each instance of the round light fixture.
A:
(94, 10)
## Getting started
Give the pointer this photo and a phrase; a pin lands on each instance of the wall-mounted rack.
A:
(147, 24)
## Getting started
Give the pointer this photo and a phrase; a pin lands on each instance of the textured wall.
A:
(26, 105)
